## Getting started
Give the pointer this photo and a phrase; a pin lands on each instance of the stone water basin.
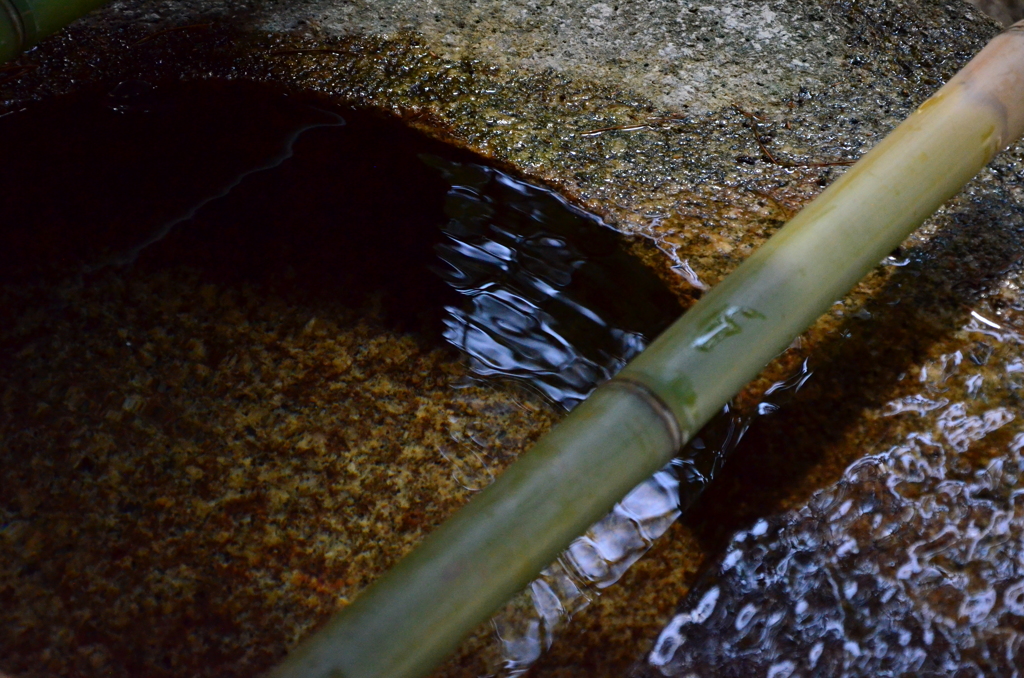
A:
(700, 130)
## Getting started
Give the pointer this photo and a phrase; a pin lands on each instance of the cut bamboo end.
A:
(995, 78)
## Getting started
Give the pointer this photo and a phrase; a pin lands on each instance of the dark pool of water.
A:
(251, 185)
(185, 271)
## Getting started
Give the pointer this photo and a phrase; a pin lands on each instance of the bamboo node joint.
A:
(656, 404)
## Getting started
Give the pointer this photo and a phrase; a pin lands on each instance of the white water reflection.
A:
(531, 621)
(911, 565)
(594, 561)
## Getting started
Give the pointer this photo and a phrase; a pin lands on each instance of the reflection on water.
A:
(228, 324)
(553, 302)
(912, 564)
(552, 299)
(529, 623)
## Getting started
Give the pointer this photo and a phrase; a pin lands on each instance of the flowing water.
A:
(911, 565)
(545, 289)
(230, 395)
(254, 347)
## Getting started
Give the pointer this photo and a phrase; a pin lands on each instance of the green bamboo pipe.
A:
(23, 23)
(412, 617)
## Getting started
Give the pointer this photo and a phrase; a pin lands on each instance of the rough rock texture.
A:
(222, 503)
(679, 54)
(697, 127)
(1004, 11)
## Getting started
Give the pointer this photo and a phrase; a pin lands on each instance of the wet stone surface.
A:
(909, 565)
(227, 400)
(683, 148)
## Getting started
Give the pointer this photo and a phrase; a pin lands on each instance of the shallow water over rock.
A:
(227, 401)
(912, 564)
(696, 178)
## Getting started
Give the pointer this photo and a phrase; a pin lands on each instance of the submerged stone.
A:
(700, 129)
(911, 564)
(224, 363)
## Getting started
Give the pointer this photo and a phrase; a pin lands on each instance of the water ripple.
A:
(912, 564)
(551, 297)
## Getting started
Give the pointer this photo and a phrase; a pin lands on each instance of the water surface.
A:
(233, 389)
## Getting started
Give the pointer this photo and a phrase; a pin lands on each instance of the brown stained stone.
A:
(128, 507)
(195, 475)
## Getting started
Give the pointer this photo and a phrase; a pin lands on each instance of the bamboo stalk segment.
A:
(404, 624)
(706, 357)
(23, 23)
(480, 557)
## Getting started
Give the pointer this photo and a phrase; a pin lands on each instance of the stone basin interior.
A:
(868, 522)
(228, 399)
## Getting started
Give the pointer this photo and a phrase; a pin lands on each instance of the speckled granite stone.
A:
(699, 128)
